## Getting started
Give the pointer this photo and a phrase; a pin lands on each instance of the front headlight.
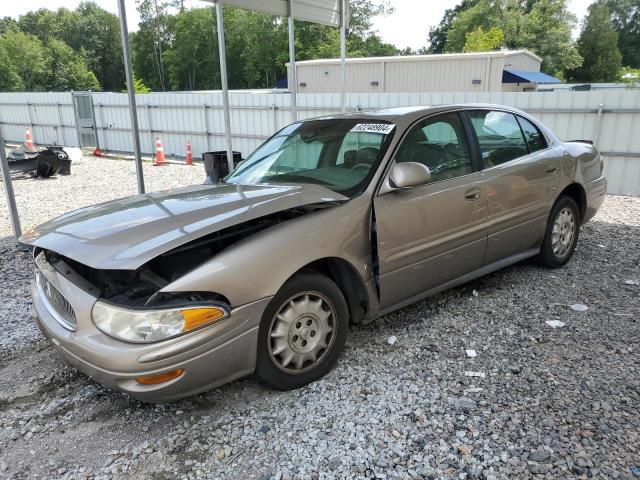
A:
(146, 326)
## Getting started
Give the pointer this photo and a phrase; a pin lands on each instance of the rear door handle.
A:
(552, 170)
(473, 194)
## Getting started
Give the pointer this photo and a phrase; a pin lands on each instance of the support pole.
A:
(343, 54)
(126, 55)
(293, 88)
(596, 129)
(8, 189)
(223, 81)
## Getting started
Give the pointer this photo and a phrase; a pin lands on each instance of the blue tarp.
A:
(522, 76)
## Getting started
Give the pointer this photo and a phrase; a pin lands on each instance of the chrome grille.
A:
(55, 302)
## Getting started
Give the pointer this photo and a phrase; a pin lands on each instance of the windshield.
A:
(340, 154)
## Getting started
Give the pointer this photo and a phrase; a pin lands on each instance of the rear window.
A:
(534, 137)
(499, 136)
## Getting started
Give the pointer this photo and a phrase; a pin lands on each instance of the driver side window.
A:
(439, 143)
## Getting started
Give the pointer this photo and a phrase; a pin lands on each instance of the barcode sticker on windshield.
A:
(381, 128)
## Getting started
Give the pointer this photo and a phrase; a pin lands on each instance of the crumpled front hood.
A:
(127, 233)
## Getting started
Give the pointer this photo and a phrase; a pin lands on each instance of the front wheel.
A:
(561, 236)
(302, 332)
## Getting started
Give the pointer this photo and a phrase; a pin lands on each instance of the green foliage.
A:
(10, 80)
(625, 15)
(191, 59)
(540, 26)
(95, 33)
(88, 38)
(630, 76)
(598, 43)
(546, 31)
(8, 24)
(179, 50)
(484, 41)
(67, 70)
(139, 86)
(173, 49)
(26, 57)
(438, 34)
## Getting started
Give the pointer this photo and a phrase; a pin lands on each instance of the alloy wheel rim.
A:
(563, 232)
(302, 332)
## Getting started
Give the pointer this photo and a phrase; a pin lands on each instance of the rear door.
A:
(433, 233)
(521, 175)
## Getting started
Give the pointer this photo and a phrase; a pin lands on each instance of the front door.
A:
(434, 233)
(521, 175)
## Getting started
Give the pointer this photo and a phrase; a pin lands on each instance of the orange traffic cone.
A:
(28, 140)
(160, 160)
(188, 159)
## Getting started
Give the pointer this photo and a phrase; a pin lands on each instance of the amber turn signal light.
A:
(197, 317)
(160, 377)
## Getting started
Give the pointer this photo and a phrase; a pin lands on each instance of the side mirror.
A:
(409, 174)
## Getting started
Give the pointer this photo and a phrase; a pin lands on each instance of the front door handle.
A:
(473, 194)
(551, 170)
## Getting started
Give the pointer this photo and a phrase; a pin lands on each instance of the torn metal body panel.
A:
(197, 286)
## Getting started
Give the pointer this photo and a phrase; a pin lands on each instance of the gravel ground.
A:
(549, 402)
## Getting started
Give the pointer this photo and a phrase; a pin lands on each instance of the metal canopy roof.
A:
(522, 76)
(326, 12)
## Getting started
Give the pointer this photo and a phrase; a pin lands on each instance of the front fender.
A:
(259, 265)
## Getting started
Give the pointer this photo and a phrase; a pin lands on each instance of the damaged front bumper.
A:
(209, 357)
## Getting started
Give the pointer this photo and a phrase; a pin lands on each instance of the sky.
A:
(408, 26)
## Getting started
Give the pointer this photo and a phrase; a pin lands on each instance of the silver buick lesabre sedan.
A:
(331, 221)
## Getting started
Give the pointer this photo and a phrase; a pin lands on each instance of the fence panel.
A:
(611, 118)
(49, 115)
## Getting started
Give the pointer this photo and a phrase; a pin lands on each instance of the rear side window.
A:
(499, 136)
(535, 139)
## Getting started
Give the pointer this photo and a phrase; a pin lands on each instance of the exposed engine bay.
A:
(140, 287)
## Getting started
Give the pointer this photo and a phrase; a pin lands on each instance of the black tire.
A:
(269, 367)
(547, 257)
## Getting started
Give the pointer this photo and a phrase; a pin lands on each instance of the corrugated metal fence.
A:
(610, 118)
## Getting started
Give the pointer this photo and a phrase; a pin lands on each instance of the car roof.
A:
(410, 113)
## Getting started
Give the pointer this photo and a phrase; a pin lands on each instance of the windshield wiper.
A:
(302, 178)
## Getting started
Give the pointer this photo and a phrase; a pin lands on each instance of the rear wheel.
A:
(561, 236)
(302, 332)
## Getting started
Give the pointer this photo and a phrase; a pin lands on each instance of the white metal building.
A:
(499, 71)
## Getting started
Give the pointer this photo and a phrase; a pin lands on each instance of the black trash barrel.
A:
(216, 166)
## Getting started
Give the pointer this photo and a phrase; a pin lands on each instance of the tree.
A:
(546, 31)
(192, 58)
(625, 16)
(438, 35)
(541, 26)
(27, 58)
(95, 33)
(174, 48)
(157, 23)
(598, 45)
(8, 24)
(67, 70)
(10, 80)
(89, 30)
(484, 41)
